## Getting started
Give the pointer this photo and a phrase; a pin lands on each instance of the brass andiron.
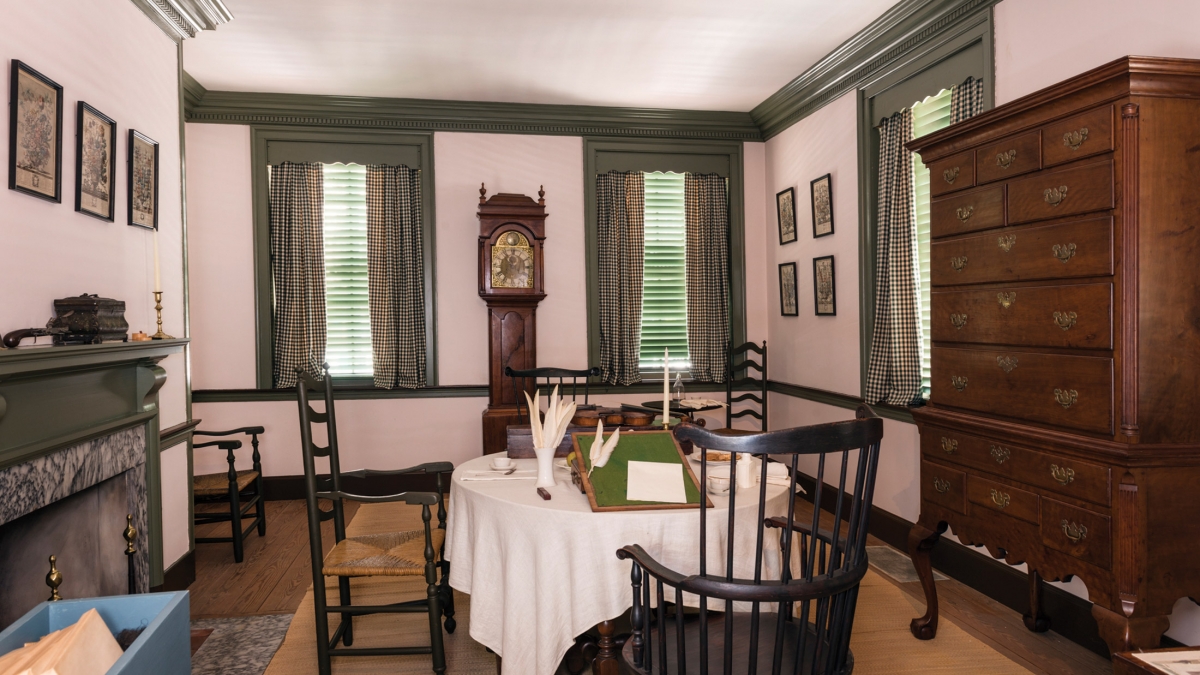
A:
(54, 580)
(160, 335)
(130, 535)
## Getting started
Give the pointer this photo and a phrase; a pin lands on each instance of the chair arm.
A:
(779, 522)
(652, 566)
(428, 498)
(224, 445)
(430, 467)
(249, 431)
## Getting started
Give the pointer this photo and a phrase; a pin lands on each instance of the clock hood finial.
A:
(482, 193)
(541, 195)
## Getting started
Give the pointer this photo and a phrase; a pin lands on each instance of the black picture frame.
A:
(28, 176)
(787, 290)
(143, 180)
(819, 285)
(785, 211)
(822, 203)
(90, 200)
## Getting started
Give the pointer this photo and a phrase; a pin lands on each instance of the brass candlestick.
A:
(160, 335)
(54, 580)
(130, 535)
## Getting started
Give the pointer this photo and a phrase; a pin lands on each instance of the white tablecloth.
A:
(540, 573)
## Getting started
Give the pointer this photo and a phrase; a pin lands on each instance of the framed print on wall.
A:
(785, 205)
(143, 180)
(95, 159)
(823, 286)
(35, 134)
(787, 290)
(822, 205)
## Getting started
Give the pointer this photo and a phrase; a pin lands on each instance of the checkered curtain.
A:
(396, 277)
(706, 214)
(297, 200)
(620, 233)
(966, 100)
(894, 371)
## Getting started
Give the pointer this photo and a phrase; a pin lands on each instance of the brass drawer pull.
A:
(942, 486)
(1000, 454)
(1055, 196)
(1006, 241)
(1005, 159)
(1006, 299)
(959, 381)
(1000, 499)
(1006, 363)
(958, 263)
(1062, 474)
(958, 320)
(1074, 139)
(1074, 531)
(949, 445)
(950, 175)
(1065, 320)
(1066, 398)
(964, 213)
(1063, 252)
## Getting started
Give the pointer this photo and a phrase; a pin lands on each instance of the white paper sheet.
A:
(1176, 663)
(656, 482)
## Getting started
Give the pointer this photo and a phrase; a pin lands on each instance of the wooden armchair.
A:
(391, 554)
(242, 490)
(823, 595)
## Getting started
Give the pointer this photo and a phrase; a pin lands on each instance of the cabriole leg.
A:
(921, 541)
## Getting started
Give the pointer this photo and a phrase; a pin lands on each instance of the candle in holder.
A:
(666, 388)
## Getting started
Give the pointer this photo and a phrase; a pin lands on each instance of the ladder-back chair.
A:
(740, 361)
(397, 554)
(798, 624)
(535, 378)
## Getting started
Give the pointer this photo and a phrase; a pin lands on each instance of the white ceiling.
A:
(692, 54)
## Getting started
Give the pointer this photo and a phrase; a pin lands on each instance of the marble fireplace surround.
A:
(72, 417)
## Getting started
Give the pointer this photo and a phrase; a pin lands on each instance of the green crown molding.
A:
(872, 50)
(193, 92)
(407, 114)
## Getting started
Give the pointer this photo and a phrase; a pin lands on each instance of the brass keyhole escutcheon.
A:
(1006, 299)
(958, 320)
(1000, 454)
(1062, 474)
(1005, 159)
(1055, 195)
(1006, 363)
(958, 263)
(959, 381)
(942, 486)
(1074, 531)
(1065, 320)
(1074, 139)
(1063, 252)
(950, 175)
(1000, 499)
(964, 213)
(949, 445)
(1066, 397)
(1006, 242)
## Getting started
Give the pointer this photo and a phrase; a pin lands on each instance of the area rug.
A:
(242, 645)
(881, 641)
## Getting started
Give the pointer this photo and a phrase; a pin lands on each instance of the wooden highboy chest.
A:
(1063, 429)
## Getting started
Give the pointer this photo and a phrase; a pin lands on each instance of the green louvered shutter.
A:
(347, 300)
(664, 281)
(929, 116)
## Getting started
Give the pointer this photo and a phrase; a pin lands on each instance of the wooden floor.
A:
(277, 572)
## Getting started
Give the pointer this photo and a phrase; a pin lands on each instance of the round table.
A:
(540, 572)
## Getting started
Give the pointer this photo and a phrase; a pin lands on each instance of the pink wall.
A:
(758, 223)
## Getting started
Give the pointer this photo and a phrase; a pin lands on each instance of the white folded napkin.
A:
(527, 474)
(697, 403)
(777, 474)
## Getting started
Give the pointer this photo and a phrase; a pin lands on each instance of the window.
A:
(347, 301)
(664, 279)
(929, 116)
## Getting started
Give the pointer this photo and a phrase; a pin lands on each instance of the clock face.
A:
(512, 261)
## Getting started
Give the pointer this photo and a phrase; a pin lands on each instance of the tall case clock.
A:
(512, 231)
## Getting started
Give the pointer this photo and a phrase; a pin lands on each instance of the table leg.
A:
(606, 659)
(580, 654)
(921, 541)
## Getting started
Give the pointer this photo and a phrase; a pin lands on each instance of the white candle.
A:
(666, 387)
(157, 274)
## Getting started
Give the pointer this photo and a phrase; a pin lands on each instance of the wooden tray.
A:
(619, 463)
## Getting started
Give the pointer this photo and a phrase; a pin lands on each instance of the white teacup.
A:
(502, 463)
(718, 485)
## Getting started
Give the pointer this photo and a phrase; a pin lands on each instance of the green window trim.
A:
(720, 157)
(925, 70)
(271, 145)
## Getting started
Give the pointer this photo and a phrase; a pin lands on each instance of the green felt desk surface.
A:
(608, 483)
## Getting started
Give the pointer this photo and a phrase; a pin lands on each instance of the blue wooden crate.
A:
(163, 648)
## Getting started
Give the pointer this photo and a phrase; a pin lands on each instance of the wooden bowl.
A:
(638, 419)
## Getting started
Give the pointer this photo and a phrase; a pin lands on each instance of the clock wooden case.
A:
(512, 231)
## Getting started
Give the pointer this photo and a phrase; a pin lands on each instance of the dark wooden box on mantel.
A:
(88, 319)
